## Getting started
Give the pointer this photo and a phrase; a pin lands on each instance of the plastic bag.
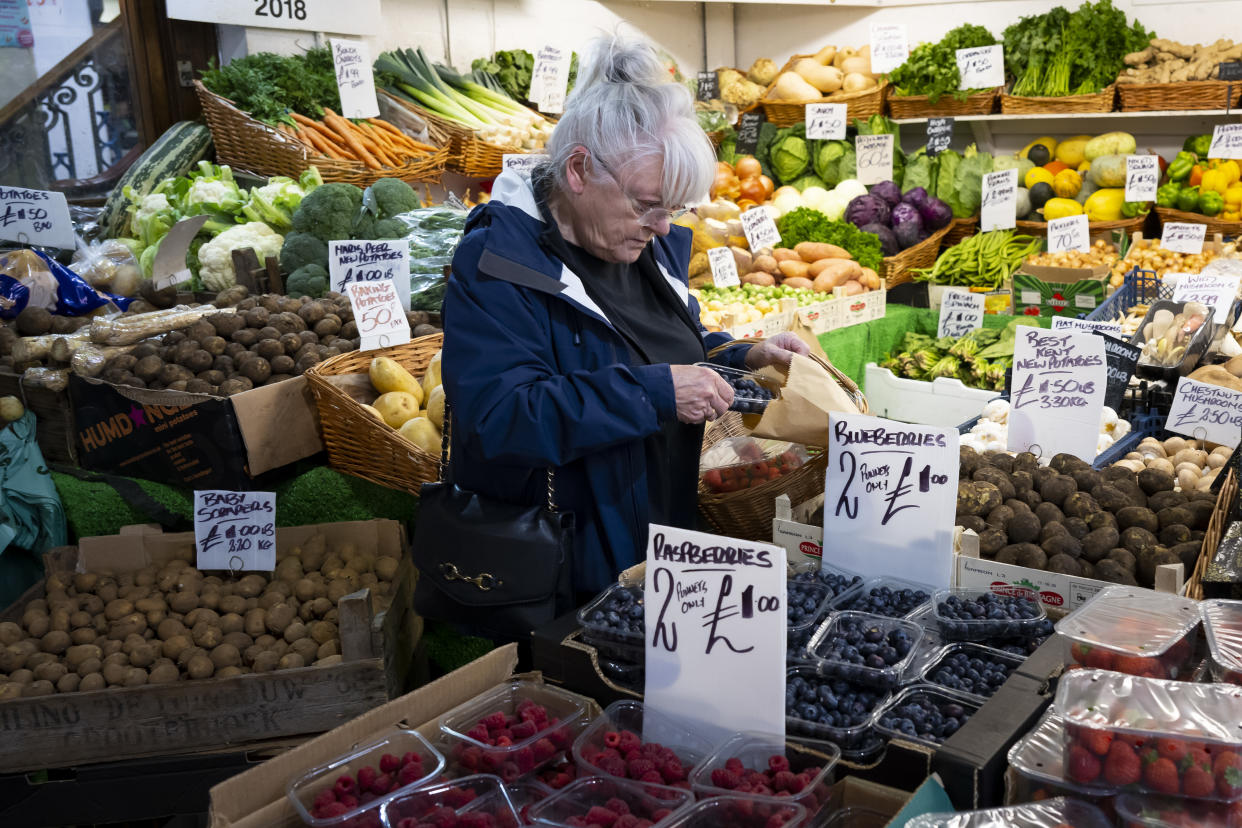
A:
(737, 463)
(31, 277)
(109, 265)
(434, 233)
(133, 329)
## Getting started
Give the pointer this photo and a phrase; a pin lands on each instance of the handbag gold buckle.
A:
(484, 581)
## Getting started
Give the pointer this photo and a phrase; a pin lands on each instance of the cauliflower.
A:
(215, 257)
(997, 411)
(153, 216)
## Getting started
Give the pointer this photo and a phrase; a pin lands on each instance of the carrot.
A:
(313, 139)
(385, 143)
(342, 127)
(380, 153)
(399, 136)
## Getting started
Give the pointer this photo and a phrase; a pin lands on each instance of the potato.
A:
(201, 614)
(183, 602)
(36, 622)
(76, 656)
(422, 432)
(89, 665)
(115, 673)
(200, 667)
(758, 278)
(56, 641)
(328, 648)
(164, 673)
(206, 634)
(795, 267)
(397, 407)
(265, 662)
(290, 661)
(386, 567)
(40, 687)
(176, 645)
(68, 683)
(168, 628)
(50, 671)
(250, 586)
(225, 655)
(834, 273)
(295, 631)
(278, 618)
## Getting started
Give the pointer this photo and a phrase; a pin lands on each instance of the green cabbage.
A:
(789, 154)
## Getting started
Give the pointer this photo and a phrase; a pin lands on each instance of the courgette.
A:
(182, 145)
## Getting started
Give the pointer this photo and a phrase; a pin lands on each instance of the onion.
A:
(747, 166)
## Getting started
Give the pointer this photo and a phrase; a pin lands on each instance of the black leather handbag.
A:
(497, 568)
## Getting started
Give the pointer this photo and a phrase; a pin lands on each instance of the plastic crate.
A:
(1142, 426)
(1139, 286)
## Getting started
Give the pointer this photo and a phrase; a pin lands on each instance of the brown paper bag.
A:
(811, 389)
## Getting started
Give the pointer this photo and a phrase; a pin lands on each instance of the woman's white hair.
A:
(625, 108)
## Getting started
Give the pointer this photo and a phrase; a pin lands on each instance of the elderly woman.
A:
(570, 334)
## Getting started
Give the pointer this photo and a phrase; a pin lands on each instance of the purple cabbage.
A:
(909, 232)
(889, 191)
(916, 196)
(867, 209)
(888, 241)
(935, 214)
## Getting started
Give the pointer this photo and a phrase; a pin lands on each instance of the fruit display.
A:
(980, 359)
(512, 730)
(889, 597)
(1221, 621)
(1192, 463)
(746, 764)
(613, 746)
(526, 792)
(934, 643)
(1082, 175)
(351, 789)
(830, 71)
(865, 649)
(1060, 812)
(1038, 772)
(965, 614)
(477, 801)
(827, 708)
(1154, 735)
(982, 261)
(748, 303)
(1133, 631)
(1195, 183)
(807, 594)
(601, 800)
(170, 623)
(925, 714)
(972, 669)
(747, 463)
(1069, 518)
(1150, 811)
(728, 811)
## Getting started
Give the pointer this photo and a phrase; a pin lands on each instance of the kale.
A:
(805, 224)
(931, 69)
(270, 86)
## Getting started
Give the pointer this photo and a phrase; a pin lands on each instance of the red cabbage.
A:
(916, 196)
(867, 209)
(888, 241)
(889, 191)
(935, 214)
(907, 226)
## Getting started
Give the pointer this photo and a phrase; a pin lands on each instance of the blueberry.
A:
(979, 674)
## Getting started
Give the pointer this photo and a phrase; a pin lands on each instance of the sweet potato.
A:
(814, 251)
(794, 268)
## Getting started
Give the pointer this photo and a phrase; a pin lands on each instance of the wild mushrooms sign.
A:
(890, 498)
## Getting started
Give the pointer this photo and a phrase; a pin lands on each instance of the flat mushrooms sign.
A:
(890, 498)
(1059, 382)
(235, 530)
(715, 621)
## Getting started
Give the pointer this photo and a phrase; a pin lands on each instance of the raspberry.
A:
(382, 784)
(735, 765)
(348, 800)
(601, 816)
(510, 772)
(652, 776)
(612, 766)
(617, 805)
(562, 737)
(522, 730)
(479, 733)
(672, 770)
(779, 818)
(627, 821)
(410, 757)
(409, 774)
(629, 740)
(638, 767)
(724, 778)
(476, 819)
(612, 738)
(543, 749)
(494, 721)
(525, 759)
(366, 775)
(783, 780)
(559, 781)
(344, 785)
(332, 809)
(778, 763)
(389, 763)
(660, 813)
(469, 757)
(457, 797)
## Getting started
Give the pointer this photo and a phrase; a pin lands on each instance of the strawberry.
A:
(1198, 782)
(1096, 741)
(1172, 749)
(1229, 777)
(1099, 659)
(1083, 765)
(1160, 774)
(1122, 767)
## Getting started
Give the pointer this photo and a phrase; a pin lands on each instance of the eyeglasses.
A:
(647, 214)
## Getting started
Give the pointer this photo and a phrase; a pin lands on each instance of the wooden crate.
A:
(54, 429)
(65, 729)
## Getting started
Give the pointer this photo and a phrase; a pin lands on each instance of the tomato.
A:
(712, 479)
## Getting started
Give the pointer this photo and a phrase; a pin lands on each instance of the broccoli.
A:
(368, 228)
(308, 280)
(328, 212)
(302, 249)
(392, 198)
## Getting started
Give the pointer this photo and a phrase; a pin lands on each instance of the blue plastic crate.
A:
(1142, 426)
(1139, 286)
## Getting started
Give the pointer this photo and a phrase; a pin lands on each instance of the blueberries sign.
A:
(715, 631)
(1059, 382)
(235, 530)
(890, 497)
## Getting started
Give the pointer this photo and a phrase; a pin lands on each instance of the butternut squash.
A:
(790, 86)
(823, 78)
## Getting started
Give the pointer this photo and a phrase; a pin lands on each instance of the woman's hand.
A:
(776, 351)
(701, 393)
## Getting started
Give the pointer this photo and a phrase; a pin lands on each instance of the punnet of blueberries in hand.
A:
(971, 670)
(925, 717)
(749, 397)
(818, 702)
(893, 601)
(866, 649)
(986, 615)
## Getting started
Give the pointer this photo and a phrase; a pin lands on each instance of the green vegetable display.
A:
(1199, 145)
(985, 260)
(789, 154)
(835, 161)
(931, 69)
(269, 86)
(979, 359)
(512, 70)
(805, 224)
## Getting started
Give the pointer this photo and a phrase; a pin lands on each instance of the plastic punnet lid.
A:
(1131, 620)
(751, 392)
(1153, 811)
(739, 812)
(1040, 755)
(946, 704)
(853, 645)
(893, 597)
(1046, 814)
(1222, 621)
(481, 794)
(743, 450)
(1152, 708)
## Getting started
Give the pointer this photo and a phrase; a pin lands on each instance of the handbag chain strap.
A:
(446, 441)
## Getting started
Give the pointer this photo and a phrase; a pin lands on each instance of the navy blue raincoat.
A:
(537, 377)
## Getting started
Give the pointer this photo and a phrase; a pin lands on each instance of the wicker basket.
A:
(1216, 529)
(748, 514)
(918, 106)
(467, 155)
(895, 270)
(1101, 101)
(247, 144)
(1146, 97)
(359, 444)
(960, 229)
(787, 113)
(1095, 227)
(1214, 225)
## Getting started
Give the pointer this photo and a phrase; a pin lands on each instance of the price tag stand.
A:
(1059, 383)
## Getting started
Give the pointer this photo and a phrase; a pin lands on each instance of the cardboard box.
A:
(792, 529)
(68, 729)
(1058, 291)
(820, 317)
(193, 439)
(865, 307)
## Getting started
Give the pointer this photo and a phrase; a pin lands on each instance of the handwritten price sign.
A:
(724, 268)
(960, 313)
(235, 530)
(759, 228)
(1121, 358)
(715, 621)
(1183, 237)
(36, 217)
(1069, 233)
(1059, 382)
(890, 47)
(1214, 290)
(825, 122)
(939, 135)
(550, 79)
(1226, 141)
(521, 163)
(370, 261)
(1000, 200)
(981, 68)
(890, 497)
(378, 312)
(1061, 323)
(1142, 177)
(875, 158)
(354, 78)
(1206, 412)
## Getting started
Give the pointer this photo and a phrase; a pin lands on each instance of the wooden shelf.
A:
(1078, 116)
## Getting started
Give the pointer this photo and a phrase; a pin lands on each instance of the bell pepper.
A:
(1198, 144)
(1211, 203)
(1134, 209)
(1166, 196)
(1214, 180)
(1188, 200)
(1182, 164)
(1232, 172)
(1231, 215)
(1196, 175)
(1233, 196)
